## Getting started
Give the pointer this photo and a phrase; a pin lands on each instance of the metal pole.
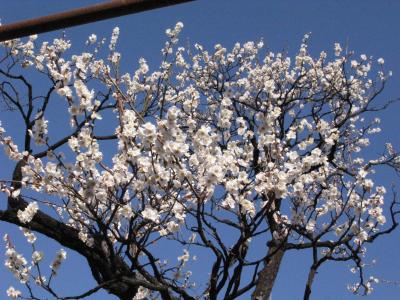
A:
(81, 16)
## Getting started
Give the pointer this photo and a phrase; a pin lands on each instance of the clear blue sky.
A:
(366, 26)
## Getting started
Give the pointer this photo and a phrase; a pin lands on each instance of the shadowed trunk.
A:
(267, 276)
(276, 250)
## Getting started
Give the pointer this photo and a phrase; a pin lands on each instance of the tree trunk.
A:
(267, 276)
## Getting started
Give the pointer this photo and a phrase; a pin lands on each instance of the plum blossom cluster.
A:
(25, 272)
(60, 257)
(26, 215)
(266, 146)
(39, 130)
(16, 263)
(13, 293)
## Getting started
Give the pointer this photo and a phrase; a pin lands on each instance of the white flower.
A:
(291, 135)
(115, 57)
(381, 61)
(28, 213)
(39, 130)
(147, 133)
(144, 67)
(361, 237)
(126, 211)
(114, 38)
(84, 95)
(203, 137)
(310, 227)
(184, 257)
(142, 293)
(151, 214)
(40, 280)
(60, 257)
(229, 202)
(354, 64)
(16, 193)
(226, 102)
(179, 25)
(92, 38)
(30, 236)
(37, 256)
(13, 293)
(293, 155)
(247, 207)
(338, 49)
(381, 219)
(16, 264)
(215, 174)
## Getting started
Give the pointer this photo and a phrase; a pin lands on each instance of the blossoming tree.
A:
(235, 157)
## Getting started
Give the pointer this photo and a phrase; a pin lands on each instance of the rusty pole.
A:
(81, 16)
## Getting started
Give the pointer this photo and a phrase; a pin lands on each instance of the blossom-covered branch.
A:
(230, 158)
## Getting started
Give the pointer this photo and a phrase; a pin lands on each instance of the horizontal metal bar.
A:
(81, 16)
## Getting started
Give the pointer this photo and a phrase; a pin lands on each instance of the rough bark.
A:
(277, 246)
(267, 276)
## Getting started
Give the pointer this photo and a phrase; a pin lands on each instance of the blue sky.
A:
(366, 26)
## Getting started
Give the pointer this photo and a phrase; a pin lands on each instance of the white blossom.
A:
(60, 257)
(240, 139)
(26, 215)
(151, 214)
(13, 293)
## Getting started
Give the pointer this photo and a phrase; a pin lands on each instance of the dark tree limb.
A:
(105, 267)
